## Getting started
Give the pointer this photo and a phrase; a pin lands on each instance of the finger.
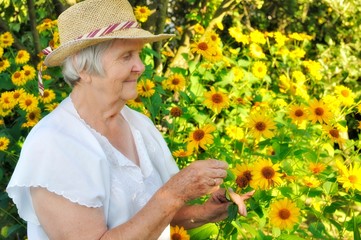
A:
(217, 173)
(217, 163)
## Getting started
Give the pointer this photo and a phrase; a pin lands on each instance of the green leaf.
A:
(330, 188)
(204, 232)
(317, 229)
(232, 212)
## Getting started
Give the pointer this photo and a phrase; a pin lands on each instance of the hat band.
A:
(96, 33)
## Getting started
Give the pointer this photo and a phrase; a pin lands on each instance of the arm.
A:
(63, 219)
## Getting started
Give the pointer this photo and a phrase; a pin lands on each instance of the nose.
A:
(138, 66)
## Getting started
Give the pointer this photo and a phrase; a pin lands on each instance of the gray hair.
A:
(87, 60)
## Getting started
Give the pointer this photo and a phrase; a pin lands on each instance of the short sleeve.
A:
(68, 163)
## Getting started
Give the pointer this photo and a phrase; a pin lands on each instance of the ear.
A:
(83, 76)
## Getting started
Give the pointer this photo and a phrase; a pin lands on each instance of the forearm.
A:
(189, 216)
(150, 221)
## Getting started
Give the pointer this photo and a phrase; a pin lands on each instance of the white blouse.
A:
(65, 155)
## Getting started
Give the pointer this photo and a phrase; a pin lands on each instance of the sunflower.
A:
(47, 24)
(256, 51)
(265, 174)
(215, 55)
(4, 64)
(18, 78)
(142, 13)
(34, 116)
(176, 111)
(316, 168)
(349, 178)
(335, 133)
(297, 53)
(298, 113)
(135, 103)
(237, 34)
(178, 233)
(22, 57)
(28, 102)
(216, 100)
(284, 214)
(51, 106)
(345, 95)
(257, 37)
(243, 173)
(198, 28)
(213, 37)
(203, 48)
(280, 39)
(238, 74)
(319, 112)
(181, 153)
(16, 94)
(311, 182)
(7, 101)
(175, 82)
(29, 72)
(235, 133)
(260, 125)
(200, 137)
(4, 143)
(259, 69)
(6, 40)
(48, 96)
(146, 88)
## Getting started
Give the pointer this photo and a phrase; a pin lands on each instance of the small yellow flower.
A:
(319, 112)
(260, 125)
(4, 64)
(178, 233)
(4, 143)
(175, 82)
(7, 101)
(316, 168)
(22, 57)
(6, 40)
(216, 100)
(235, 133)
(181, 153)
(349, 177)
(51, 106)
(18, 78)
(311, 182)
(257, 37)
(198, 28)
(256, 51)
(1, 52)
(28, 102)
(265, 174)
(345, 95)
(200, 137)
(146, 88)
(284, 214)
(259, 69)
(142, 13)
(243, 173)
(298, 113)
(29, 72)
(48, 96)
(237, 34)
(135, 103)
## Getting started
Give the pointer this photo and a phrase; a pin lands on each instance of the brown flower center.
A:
(260, 126)
(334, 133)
(175, 81)
(352, 178)
(203, 46)
(268, 172)
(217, 98)
(176, 236)
(198, 135)
(345, 93)
(32, 116)
(298, 113)
(319, 111)
(176, 112)
(284, 214)
(28, 102)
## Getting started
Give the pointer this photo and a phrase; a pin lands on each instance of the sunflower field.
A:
(271, 87)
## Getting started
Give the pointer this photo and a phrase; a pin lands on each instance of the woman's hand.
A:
(200, 178)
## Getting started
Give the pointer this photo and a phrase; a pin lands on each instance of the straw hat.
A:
(94, 21)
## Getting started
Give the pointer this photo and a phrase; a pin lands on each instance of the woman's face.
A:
(122, 67)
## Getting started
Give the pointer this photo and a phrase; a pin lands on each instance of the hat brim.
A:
(56, 57)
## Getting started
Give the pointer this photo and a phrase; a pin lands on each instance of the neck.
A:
(95, 109)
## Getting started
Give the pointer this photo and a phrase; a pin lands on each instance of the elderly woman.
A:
(94, 168)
